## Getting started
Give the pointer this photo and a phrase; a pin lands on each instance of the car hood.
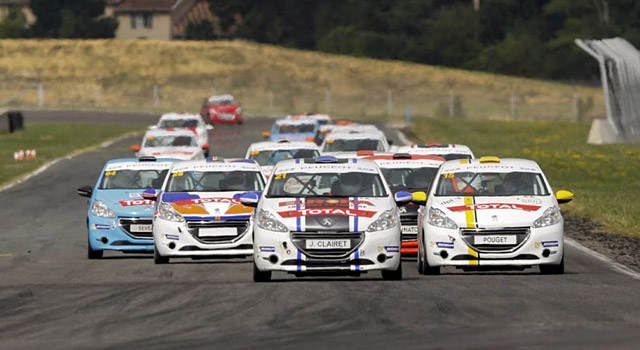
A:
(183, 153)
(208, 205)
(126, 202)
(225, 109)
(327, 214)
(493, 212)
(267, 170)
(303, 136)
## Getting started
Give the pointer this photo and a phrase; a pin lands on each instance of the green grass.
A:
(604, 179)
(51, 140)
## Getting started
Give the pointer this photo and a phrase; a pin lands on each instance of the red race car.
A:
(221, 109)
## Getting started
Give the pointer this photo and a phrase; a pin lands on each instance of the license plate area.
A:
(140, 228)
(218, 232)
(410, 229)
(328, 244)
(505, 240)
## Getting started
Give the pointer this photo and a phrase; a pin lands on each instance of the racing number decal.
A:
(110, 173)
(449, 175)
(280, 176)
(178, 173)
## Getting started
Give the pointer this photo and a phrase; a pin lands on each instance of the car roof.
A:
(164, 132)
(295, 121)
(216, 163)
(179, 116)
(491, 164)
(356, 136)
(137, 160)
(327, 164)
(221, 97)
(278, 145)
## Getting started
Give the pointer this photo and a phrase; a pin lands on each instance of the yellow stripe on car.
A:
(474, 254)
(469, 214)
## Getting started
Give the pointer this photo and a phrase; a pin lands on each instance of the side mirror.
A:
(250, 199)
(420, 197)
(205, 146)
(209, 127)
(85, 191)
(150, 194)
(266, 134)
(563, 196)
(135, 148)
(402, 197)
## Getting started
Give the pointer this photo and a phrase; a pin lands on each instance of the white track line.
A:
(615, 266)
(47, 165)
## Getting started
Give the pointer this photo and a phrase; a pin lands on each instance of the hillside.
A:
(121, 75)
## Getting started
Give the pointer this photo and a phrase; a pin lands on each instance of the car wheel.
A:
(553, 269)
(393, 275)
(423, 265)
(260, 276)
(159, 259)
(93, 254)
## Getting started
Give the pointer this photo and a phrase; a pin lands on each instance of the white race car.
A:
(268, 153)
(193, 122)
(448, 151)
(178, 144)
(327, 216)
(199, 211)
(347, 144)
(491, 213)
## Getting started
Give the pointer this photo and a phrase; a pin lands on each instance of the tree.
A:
(72, 19)
(14, 25)
(202, 30)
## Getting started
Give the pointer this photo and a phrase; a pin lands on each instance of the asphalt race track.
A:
(52, 297)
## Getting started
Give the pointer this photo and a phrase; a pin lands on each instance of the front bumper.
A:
(216, 119)
(446, 247)
(108, 234)
(277, 251)
(173, 239)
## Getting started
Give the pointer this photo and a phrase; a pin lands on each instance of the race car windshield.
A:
(454, 156)
(491, 184)
(222, 102)
(343, 145)
(267, 158)
(352, 184)
(132, 179)
(215, 181)
(179, 123)
(170, 141)
(296, 128)
(409, 179)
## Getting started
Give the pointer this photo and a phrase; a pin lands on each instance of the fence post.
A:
(156, 95)
(389, 102)
(451, 103)
(327, 100)
(407, 116)
(40, 94)
(512, 102)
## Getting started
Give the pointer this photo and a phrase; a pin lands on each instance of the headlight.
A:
(166, 212)
(437, 218)
(551, 216)
(101, 209)
(267, 221)
(385, 221)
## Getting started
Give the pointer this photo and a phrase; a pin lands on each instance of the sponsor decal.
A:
(207, 200)
(444, 245)
(529, 200)
(392, 248)
(327, 211)
(135, 202)
(548, 244)
(448, 201)
(172, 237)
(267, 249)
(135, 195)
(380, 249)
(451, 238)
(101, 226)
(326, 203)
(493, 206)
(537, 245)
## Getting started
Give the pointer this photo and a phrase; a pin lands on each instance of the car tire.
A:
(553, 269)
(260, 276)
(159, 259)
(423, 265)
(93, 254)
(393, 275)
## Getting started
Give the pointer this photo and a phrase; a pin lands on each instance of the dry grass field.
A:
(120, 75)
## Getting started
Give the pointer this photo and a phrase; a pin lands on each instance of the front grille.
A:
(126, 223)
(521, 233)
(240, 227)
(299, 239)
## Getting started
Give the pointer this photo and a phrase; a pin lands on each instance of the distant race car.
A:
(221, 109)
(293, 129)
(177, 121)
(347, 144)
(179, 144)
(411, 173)
(118, 217)
(491, 213)
(199, 211)
(327, 215)
(268, 153)
(323, 119)
(448, 151)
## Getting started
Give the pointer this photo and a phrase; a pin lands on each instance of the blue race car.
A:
(294, 129)
(118, 217)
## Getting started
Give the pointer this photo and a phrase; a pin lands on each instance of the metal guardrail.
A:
(620, 75)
